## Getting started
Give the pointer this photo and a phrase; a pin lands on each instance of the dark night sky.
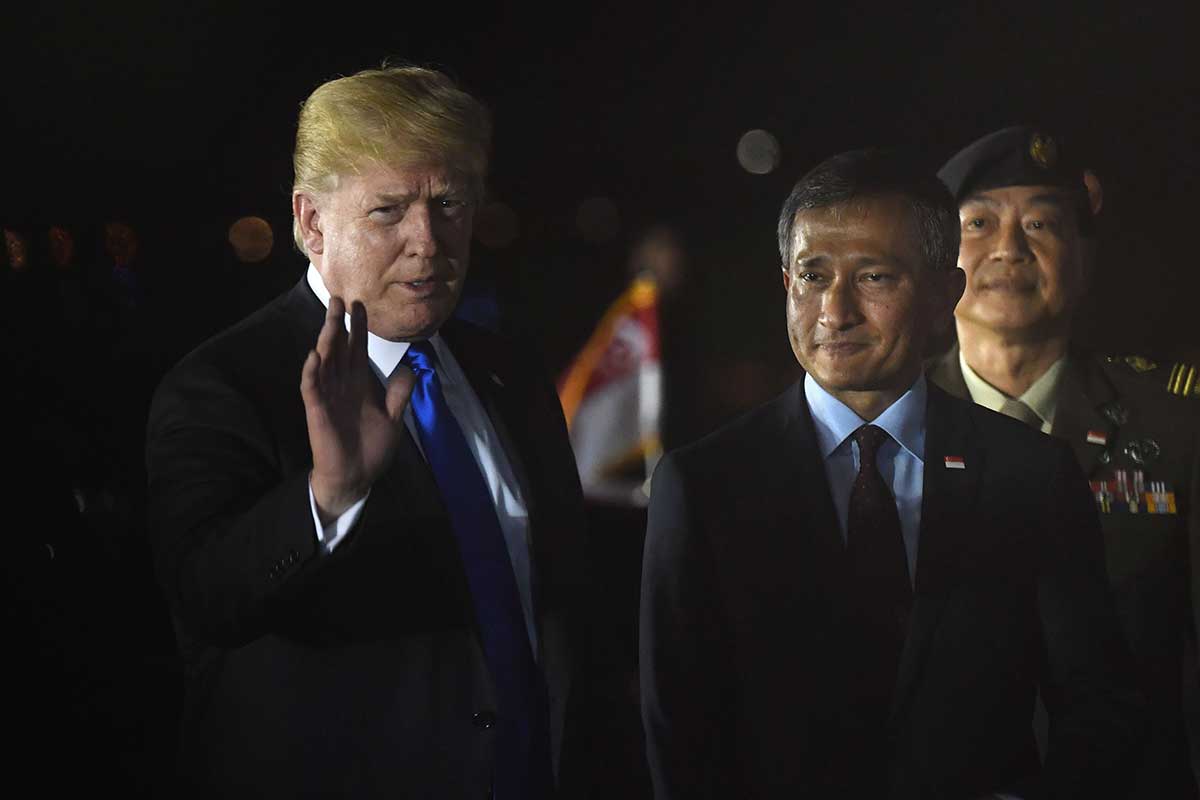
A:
(180, 119)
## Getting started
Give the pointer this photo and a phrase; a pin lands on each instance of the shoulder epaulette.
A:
(1182, 380)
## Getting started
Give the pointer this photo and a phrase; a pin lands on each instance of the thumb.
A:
(399, 389)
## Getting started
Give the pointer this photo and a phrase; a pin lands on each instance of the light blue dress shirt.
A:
(901, 458)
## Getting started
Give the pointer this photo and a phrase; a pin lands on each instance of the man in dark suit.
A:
(856, 589)
(370, 540)
(1027, 210)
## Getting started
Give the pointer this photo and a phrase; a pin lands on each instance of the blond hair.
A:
(394, 116)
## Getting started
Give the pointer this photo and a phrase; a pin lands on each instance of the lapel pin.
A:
(1097, 437)
(955, 462)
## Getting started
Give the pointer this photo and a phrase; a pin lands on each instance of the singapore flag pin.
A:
(955, 462)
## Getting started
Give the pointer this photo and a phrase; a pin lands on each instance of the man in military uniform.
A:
(1027, 213)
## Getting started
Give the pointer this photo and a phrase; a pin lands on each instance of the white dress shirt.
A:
(481, 437)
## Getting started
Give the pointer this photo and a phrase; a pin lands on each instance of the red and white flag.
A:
(611, 395)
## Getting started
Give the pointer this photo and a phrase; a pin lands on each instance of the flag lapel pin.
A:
(1097, 437)
(955, 462)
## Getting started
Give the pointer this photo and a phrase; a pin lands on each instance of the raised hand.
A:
(353, 427)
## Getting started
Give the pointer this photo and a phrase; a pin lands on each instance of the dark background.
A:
(179, 119)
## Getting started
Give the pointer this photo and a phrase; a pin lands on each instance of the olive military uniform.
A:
(1124, 416)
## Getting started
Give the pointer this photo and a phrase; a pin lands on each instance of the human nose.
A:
(422, 234)
(1011, 244)
(839, 307)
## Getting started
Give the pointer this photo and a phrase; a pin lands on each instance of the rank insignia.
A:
(955, 462)
(1183, 381)
(1097, 437)
(1043, 150)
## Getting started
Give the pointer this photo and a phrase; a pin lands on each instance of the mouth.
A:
(425, 286)
(841, 348)
(1009, 282)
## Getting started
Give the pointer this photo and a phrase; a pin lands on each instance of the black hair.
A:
(877, 172)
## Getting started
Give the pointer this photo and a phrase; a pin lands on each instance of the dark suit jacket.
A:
(1153, 559)
(743, 576)
(358, 673)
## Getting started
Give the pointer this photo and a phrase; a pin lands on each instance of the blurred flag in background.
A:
(612, 394)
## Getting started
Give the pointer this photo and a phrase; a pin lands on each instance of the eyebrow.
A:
(859, 260)
(392, 197)
(982, 200)
(1045, 198)
(448, 188)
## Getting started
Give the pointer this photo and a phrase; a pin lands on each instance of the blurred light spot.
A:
(62, 246)
(252, 239)
(121, 243)
(598, 220)
(496, 225)
(18, 250)
(758, 152)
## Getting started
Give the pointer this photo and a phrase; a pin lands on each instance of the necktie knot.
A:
(419, 357)
(869, 438)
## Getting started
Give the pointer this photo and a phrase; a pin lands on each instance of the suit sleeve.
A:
(1096, 711)
(228, 529)
(684, 664)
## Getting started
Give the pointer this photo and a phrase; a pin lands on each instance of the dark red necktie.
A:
(880, 589)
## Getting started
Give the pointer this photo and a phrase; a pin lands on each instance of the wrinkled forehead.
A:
(402, 167)
(1019, 198)
(883, 221)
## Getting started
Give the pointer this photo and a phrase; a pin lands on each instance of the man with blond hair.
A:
(365, 515)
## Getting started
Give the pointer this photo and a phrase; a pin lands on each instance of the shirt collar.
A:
(383, 353)
(1042, 396)
(904, 420)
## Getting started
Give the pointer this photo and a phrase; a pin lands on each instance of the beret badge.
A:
(1043, 150)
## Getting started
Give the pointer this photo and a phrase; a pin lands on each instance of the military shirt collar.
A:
(1042, 396)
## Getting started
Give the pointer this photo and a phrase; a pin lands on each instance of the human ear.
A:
(308, 218)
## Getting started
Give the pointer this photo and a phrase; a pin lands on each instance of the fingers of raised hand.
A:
(357, 342)
(310, 381)
(331, 342)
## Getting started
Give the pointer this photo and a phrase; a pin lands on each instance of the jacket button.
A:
(483, 720)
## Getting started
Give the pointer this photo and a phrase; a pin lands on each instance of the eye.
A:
(808, 276)
(975, 223)
(876, 277)
(452, 205)
(387, 212)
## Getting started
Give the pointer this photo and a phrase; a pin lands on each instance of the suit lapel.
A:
(1083, 398)
(489, 380)
(796, 452)
(948, 500)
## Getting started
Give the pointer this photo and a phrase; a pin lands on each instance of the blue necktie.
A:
(523, 768)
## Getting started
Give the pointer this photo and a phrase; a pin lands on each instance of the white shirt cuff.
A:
(328, 536)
